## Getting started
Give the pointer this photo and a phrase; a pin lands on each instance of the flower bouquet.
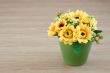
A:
(76, 31)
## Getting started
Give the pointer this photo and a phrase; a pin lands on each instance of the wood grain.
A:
(26, 48)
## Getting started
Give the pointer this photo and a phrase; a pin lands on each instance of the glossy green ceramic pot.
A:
(75, 54)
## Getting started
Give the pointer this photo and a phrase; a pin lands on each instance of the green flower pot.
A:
(75, 54)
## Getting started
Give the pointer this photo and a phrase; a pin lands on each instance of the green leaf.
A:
(94, 34)
(92, 39)
(55, 19)
(91, 17)
(97, 31)
(97, 42)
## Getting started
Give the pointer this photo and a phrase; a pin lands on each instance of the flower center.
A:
(68, 34)
(83, 34)
(76, 17)
(61, 25)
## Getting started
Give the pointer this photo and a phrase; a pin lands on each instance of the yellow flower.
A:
(86, 20)
(83, 33)
(91, 22)
(60, 24)
(51, 31)
(80, 14)
(67, 35)
(69, 15)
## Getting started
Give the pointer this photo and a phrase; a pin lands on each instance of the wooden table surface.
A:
(26, 48)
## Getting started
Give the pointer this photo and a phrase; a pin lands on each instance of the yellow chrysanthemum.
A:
(60, 24)
(51, 31)
(67, 35)
(91, 22)
(80, 15)
(69, 15)
(83, 33)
